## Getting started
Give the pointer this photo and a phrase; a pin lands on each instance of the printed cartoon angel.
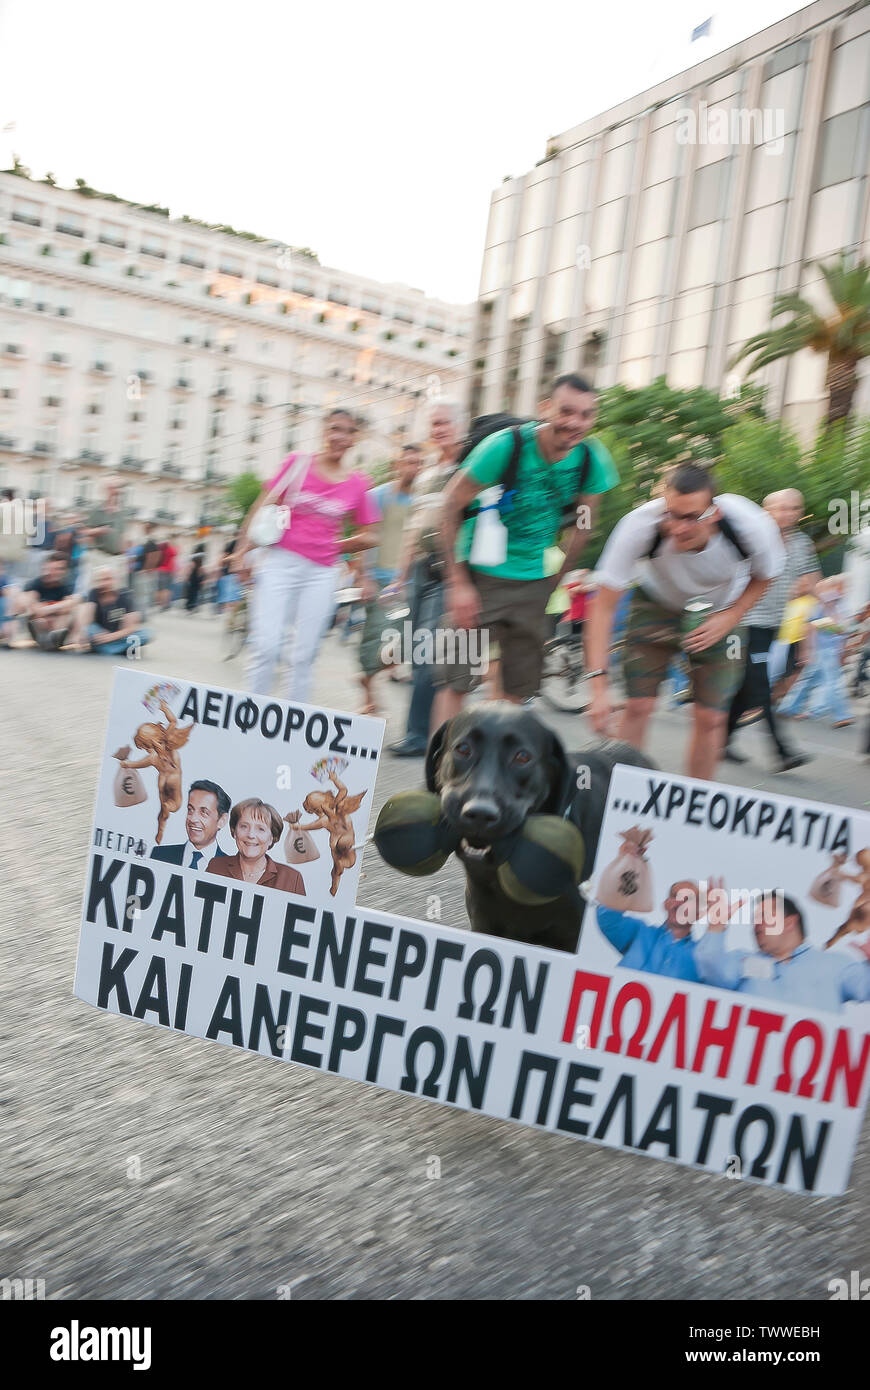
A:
(859, 915)
(161, 745)
(333, 811)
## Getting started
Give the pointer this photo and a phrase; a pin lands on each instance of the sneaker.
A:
(407, 749)
(791, 761)
(732, 756)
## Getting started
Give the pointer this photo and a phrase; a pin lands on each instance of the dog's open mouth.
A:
(476, 852)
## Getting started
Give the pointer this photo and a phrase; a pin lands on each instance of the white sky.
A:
(373, 132)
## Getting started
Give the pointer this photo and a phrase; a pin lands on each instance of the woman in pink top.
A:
(295, 583)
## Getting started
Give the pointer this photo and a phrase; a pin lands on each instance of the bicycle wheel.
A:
(562, 684)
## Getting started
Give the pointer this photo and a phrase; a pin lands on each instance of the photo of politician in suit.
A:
(256, 828)
(207, 809)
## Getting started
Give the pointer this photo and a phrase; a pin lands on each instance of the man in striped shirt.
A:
(763, 622)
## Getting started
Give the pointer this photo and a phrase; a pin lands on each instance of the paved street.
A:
(256, 1176)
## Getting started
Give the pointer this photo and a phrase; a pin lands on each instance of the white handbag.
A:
(272, 520)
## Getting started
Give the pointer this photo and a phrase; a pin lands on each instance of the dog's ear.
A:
(434, 754)
(561, 772)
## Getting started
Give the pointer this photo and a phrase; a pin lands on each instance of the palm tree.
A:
(843, 336)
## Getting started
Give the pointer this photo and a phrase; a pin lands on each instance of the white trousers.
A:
(288, 591)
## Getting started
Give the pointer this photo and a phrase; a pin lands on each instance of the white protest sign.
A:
(576, 1045)
(315, 768)
(738, 1003)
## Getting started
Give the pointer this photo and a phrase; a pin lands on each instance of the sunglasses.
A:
(690, 520)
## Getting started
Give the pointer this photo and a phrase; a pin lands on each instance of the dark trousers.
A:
(754, 693)
(427, 606)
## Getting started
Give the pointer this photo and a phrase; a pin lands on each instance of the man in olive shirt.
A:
(557, 471)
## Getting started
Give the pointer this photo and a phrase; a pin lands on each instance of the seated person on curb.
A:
(108, 622)
(48, 605)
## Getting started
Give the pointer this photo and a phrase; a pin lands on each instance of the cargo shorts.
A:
(513, 628)
(654, 637)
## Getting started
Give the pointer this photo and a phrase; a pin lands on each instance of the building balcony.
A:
(215, 476)
(152, 251)
(57, 359)
(171, 470)
(115, 243)
(221, 393)
(88, 458)
(42, 446)
(8, 443)
(13, 350)
(143, 375)
(68, 229)
(181, 383)
(163, 515)
(129, 464)
(191, 260)
(27, 219)
(258, 400)
(100, 368)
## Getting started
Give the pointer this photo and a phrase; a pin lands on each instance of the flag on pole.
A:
(702, 29)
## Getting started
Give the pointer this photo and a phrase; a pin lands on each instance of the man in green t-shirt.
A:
(500, 586)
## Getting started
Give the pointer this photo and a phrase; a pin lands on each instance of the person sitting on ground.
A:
(48, 604)
(256, 827)
(108, 621)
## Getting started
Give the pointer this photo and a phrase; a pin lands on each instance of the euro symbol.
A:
(129, 787)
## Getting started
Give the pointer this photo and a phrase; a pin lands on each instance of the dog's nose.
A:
(480, 813)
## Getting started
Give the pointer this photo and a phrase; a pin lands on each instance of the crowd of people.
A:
(81, 582)
(483, 529)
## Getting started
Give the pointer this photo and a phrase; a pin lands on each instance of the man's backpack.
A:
(486, 425)
(725, 529)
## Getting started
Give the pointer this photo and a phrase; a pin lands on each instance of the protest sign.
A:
(591, 1045)
(315, 768)
(739, 1004)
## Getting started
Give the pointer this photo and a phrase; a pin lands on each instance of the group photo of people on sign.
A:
(763, 942)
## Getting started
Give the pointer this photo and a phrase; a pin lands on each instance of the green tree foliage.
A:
(241, 495)
(661, 425)
(841, 335)
(764, 456)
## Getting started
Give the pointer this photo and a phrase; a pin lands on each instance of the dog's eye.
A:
(522, 757)
(463, 749)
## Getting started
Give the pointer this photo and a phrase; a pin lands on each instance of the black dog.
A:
(494, 765)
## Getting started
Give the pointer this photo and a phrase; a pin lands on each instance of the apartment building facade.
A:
(653, 238)
(171, 356)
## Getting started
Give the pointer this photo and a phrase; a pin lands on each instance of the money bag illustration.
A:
(128, 785)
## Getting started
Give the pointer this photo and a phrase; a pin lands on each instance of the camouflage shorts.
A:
(653, 639)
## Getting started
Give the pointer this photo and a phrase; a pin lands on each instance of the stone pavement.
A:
(255, 1176)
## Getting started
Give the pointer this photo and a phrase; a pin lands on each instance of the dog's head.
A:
(494, 765)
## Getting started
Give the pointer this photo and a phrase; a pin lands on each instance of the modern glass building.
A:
(653, 238)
